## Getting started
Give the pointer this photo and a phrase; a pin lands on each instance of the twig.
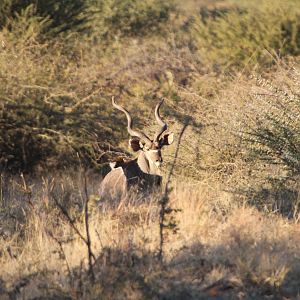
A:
(87, 229)
(64, 255)
(85, 99)
(165, 197)
(1, 190)
(71, 222)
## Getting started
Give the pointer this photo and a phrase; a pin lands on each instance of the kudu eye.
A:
(159, 159)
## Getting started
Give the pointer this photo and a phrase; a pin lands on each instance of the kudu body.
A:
(143, 173)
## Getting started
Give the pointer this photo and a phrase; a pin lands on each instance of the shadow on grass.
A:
(236, 270)
(237, 267)
(281, 199)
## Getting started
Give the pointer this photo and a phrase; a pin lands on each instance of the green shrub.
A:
(105, 20)
(5, 11)
(116, 19)
(64, 15)
(276, 136)
(25, 28)
(247, 34)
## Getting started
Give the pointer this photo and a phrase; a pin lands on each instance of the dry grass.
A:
(232, 242)
(237, 215)
(223, 248)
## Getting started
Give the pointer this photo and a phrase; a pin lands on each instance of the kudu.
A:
(143, 173)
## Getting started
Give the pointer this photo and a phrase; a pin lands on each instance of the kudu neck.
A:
(146, 165)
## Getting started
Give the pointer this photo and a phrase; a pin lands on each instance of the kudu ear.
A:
(167, 139)
(118, 163)
(135, 144)
(113, 165)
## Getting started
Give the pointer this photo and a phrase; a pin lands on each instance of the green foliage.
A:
(25, 28)
(116, 19)
(276, 137)
(65, 15)
(104, 19)
(5, 6)
(247, 33)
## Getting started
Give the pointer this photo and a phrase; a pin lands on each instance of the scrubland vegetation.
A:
(229, 71)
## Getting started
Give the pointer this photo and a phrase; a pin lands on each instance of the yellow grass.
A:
(237, 216)
(220, 242)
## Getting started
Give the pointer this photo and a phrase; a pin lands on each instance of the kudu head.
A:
(151, 148)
